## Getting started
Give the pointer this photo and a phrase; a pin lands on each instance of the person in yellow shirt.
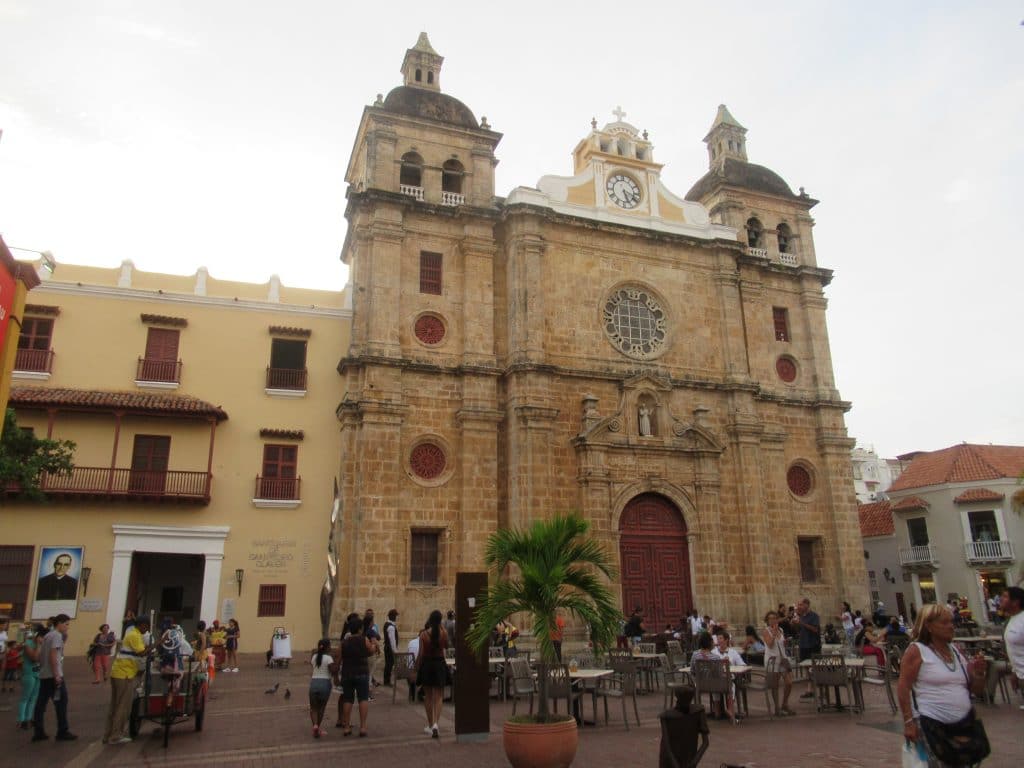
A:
(122, 682)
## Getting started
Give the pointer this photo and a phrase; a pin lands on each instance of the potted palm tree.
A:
(556, 569)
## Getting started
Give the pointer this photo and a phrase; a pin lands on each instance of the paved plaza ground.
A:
(245, 727)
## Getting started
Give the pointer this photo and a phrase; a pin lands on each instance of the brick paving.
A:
(245, 727)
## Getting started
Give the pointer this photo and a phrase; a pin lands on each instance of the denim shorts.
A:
(319, 691)
(355, 688)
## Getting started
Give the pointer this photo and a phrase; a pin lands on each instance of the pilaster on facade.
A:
(526, 298)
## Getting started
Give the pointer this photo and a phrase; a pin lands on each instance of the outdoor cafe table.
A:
(646, 662)
(855, 669)
(589, 675)
(736, 670)
(980, 639)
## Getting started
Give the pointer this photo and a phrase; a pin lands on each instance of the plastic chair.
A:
(560, 686)
(711, 676)
(621, 685)
(767, 680)
(884, 679)
(522, 683)
(670, 679)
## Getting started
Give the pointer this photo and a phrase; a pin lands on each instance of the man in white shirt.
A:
(414, 649)
(1012, 605)
(696, 626)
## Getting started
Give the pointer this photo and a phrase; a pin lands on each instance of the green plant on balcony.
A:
(25, 457)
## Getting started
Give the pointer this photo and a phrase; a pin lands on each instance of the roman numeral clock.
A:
(623, 191)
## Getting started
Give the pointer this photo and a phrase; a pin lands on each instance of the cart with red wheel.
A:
(168, 696)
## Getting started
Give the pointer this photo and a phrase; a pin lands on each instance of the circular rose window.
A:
(799, 480)
(634, 322)
(786, 368)
(429, 329)
(427, 461)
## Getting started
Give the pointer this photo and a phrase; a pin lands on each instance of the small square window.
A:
(430, 273)
(272, 600)
(423, 566)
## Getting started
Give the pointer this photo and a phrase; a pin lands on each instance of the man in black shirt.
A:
(809, 636)
(635, 626)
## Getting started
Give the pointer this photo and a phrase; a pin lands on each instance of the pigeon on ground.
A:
(287, 693)
(274, 689)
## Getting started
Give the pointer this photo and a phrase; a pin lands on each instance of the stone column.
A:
(478, 499)
(840, 502)
(382, 274)
(478, 251)
(525, 298)
(120, 575)
(208, 606)
(530, 464)
(731, 322)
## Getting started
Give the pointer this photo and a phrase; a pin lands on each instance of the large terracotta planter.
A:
(537, 745)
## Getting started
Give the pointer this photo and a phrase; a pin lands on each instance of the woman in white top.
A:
(941, 679)
(775, 648)
(847, 618)
(320, 685)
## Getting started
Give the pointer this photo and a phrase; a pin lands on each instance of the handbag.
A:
(963, 743)
(914, 755)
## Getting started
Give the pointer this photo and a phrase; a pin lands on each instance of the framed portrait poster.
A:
(56, 585)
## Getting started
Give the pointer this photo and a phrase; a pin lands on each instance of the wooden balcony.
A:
(286, 378)
(128, 485)
(34, 360)
(277, 488)
(163, 371)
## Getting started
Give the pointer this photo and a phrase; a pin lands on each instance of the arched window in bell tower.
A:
(411, 174)
(451, 176)
(430, 77)
(419, 75)
(785, 236)
(755, 237)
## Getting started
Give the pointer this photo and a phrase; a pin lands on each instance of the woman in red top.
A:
(432, 670)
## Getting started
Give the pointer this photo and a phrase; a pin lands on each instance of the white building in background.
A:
(872, 475)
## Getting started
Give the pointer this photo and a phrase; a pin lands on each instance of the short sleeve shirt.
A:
(53, 641)
(1014, 642)
(809, 639)
(125, 666)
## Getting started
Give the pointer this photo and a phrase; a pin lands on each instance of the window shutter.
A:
(162, 344)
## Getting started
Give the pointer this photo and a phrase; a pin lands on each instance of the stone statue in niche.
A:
(644, 420)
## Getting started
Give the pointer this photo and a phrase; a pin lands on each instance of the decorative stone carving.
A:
(644, 420)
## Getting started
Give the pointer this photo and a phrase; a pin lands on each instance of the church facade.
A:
(658, 362)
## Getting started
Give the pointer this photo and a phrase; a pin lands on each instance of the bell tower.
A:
(421, 66)
(727, 138)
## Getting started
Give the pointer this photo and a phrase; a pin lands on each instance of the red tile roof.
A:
(130, 402)
(876, 519)
(978, 494)
(964, 463)
(911, 502)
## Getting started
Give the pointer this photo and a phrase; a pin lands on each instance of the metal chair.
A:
(620, 685)
(829, 671)
(711, 676)
(767, 680)
(647, 647)
(670, 679)
(619, 655)
(497, 671)
(403, 670)
(884, 679)
(673, 648)
(560, 686)
(522, 683)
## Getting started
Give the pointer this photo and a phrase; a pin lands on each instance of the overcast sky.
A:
(187, 133)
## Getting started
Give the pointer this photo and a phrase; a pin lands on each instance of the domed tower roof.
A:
(727, 158)
(431, 105)
(421, 96)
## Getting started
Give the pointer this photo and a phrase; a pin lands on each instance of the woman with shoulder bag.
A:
(775, 648)
(942, 722)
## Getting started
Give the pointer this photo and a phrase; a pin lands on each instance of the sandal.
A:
(362, 733)
(347, 732)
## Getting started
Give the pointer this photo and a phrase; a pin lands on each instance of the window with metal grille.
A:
(423, 566)
(15, 576)
(780, 317)
(810, 564)
(430, 273)
(271, 602)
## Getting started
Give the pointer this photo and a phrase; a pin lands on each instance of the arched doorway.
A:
(655, 561)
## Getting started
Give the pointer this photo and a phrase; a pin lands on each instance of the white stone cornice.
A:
(137, 294)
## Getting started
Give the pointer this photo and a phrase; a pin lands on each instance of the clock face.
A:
(623, 191)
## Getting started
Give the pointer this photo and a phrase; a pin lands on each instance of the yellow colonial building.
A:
(205, 451)
(596, 342)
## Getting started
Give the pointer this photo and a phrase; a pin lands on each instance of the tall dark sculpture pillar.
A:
(472, 683)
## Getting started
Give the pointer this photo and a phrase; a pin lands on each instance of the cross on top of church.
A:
(619, 114)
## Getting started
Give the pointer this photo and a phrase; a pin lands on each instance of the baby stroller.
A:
(280, 652)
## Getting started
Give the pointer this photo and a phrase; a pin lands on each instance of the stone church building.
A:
(659, 362)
